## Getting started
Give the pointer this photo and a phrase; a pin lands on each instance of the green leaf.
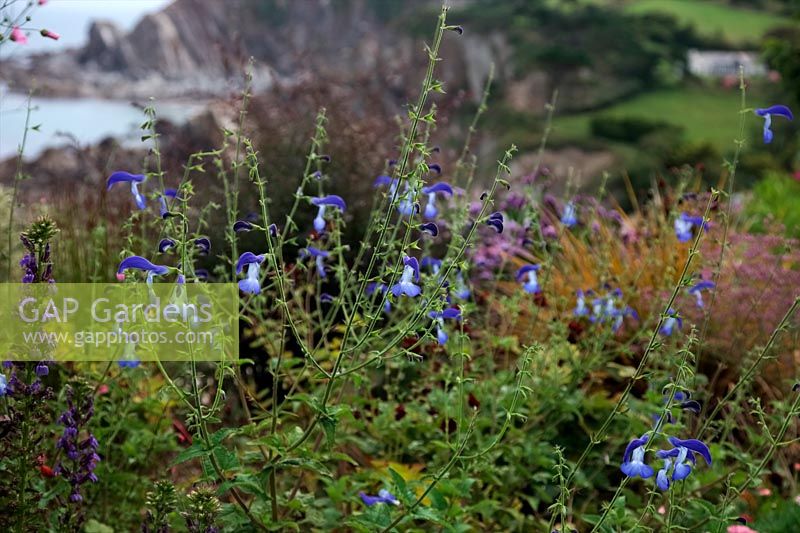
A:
(192, 452)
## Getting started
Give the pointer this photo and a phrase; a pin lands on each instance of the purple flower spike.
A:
(323, 202)
(430, 228)
(495, 221)
(42, 369)
(384, 496)
(410, 274)
(252, 283)
(133, 179)
(204, 244)
(166, 244)
(779, 110)
(242, 225)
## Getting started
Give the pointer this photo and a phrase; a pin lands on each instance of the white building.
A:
(718, 64)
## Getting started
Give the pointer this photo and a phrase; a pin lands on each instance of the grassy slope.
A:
(705, 113)
(736, 25)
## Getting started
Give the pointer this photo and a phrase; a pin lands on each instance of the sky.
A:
(71, 19)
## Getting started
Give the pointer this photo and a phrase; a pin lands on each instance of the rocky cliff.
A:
(200, 48)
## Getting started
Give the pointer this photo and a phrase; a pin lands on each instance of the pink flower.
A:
(17, 35)
(42, 2)
(50, 34)
(740, 529)
(764, 491)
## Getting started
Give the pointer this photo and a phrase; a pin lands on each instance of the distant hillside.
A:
(593, 54)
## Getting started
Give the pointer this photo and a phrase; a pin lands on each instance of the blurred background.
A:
(648, 90)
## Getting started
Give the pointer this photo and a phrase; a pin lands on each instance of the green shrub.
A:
(775, 199)
(628, 129)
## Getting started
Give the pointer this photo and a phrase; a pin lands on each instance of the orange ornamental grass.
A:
(638, 253)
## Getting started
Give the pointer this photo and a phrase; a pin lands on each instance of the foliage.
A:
(480, 354)
(774, 201)
(732, 25)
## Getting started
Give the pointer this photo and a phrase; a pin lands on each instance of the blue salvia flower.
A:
(633, 464)
(202, 274)
(140, 263)
(374, 286)
(440, 188)
(684, 225)
(433, 263)
(129, 359)
(439, 317)
(242, 225)
(430, 228)
(407, 205)
(3, 385)
(384, 496)
(166, 244)
(323, 202)
(697, 289)
(580, 306)
(531, 284)
(410, 274)
(387, 180)
(162, 206)
(203, 244)
(495, 221)
(570, 216)
(252, 283)
(779, 110)
(662, 480)
(678, 459)
(319, 258)
(133, 179)
(670, 323)
(461, 291)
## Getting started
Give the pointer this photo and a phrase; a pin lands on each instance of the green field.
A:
(735, 25)
(705, 114)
